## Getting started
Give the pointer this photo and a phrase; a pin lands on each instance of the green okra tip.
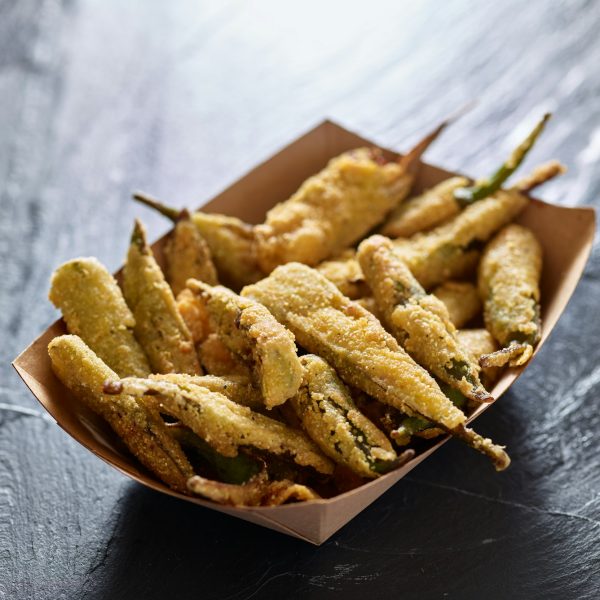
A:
(167, 211)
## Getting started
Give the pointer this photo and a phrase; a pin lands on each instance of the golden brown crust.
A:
(259, 491)
(419, 321)
(332, 210)
(93, 308)
(422, 213)
(351, 340)
(159, 327)
(332, 420)
(232, 247)
(509, 277)
(222, 423)
(251, 332)
(142, 430)
(188, 256)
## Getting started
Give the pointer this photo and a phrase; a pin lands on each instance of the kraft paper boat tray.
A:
(566, 235)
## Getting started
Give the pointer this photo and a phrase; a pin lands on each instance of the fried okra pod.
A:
(230, 240)
(353, 341)
(251, 332)
(187, 255)
(142, 430)
(331, 419)
(159, 327)
(93, 308)
(461, 299)
(452, 250)
(449, 197)
(235, 387)
(258, 491)
(335, 208)
(509, 283)
(222, 423)
(419, 321)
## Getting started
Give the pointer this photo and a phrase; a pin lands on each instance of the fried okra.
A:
(509, 283)
(93, 308)
(332, 210)
(364, 355)
(230, 240)
(142, 430)
(448, 198)
(252, 334)
(159, 327)
(331, 419)
(222, 423)
(187, 255)
(419, 321)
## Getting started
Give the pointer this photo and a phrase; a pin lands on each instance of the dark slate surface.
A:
(180, 98)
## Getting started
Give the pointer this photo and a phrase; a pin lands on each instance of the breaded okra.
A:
(230, 240)
(330, 418)
(509, 284)
(224, 424)
(235, 387)
(452, 250)
(93, 308)
(187, 255)
(419, 321)
(335, 208)
(461, 299)
(159, 327)
(259, 491)
(449, 197)
(251, 332)
(142, 430)
(365, 356)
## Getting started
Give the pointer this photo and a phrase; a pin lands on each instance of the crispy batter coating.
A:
(259, 491)
(345, 272)
(194, 314)
(158, 325)
(450, 250)
(332, 420)
(235, 387)
(251, 332)
(461, 298)
(224, 424)
(362, 352)
(188, 256)
(419, 321)
(332, 210)
(93, 308)
(142, 430)
(509, 284)
(217, 359)
(479, 342)
(424, 212)
(351, 340)
(232, 248)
